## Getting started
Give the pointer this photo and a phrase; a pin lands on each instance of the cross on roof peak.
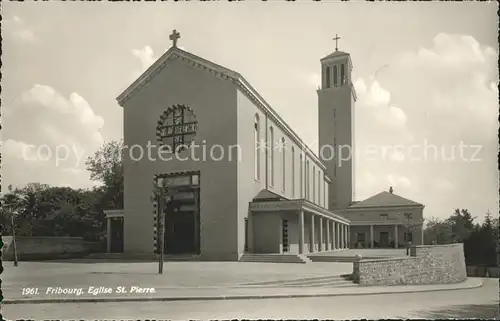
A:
(337, 37)
(174, 37)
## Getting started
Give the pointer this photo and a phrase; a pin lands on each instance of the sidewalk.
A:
(228, 293)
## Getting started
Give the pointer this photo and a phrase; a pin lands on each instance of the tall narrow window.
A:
(256, 129)
(335, 76)
(307, 179)
(293, 172)
(283, 164)
(319, 187)
(271, 155)
(314, 184)
(325, 198)
(327, 76)
(342, 75)
(301, 183)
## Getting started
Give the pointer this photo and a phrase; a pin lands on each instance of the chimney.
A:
(391, 190)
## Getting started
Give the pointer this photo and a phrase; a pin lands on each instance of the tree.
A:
(462, 224)
(54, 211)
(106, 167)
(437, 232)
(486, 247)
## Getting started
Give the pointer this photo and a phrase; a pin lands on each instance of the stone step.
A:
(337, 283)
(320, 279)
(325, 258)
(273, 258)
(340, 259)
(324, 281)
(332, 280)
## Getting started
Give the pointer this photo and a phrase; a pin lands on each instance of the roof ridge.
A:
(385, 198)
(158, 65)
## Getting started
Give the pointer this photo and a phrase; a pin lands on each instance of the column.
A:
(313, 242)
(422, 234)
(396, 236)
(345, 236)
(249, 231)
(337, 235)
(320, 246)
(108, 240)
(348, 236)
(371, 236)
(301, 232)
(334, 237)
(328, 244)
(341, 228)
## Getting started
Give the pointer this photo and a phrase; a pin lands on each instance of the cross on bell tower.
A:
(337, 37)
(174, 37)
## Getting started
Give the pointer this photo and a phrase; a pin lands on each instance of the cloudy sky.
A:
(425, 74)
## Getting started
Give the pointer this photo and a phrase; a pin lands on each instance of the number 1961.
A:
(30, 291)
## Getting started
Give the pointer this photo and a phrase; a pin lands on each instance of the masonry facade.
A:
(239, 179)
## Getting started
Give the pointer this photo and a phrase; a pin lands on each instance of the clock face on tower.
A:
(177, 127)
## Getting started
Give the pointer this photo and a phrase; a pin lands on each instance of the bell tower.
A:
(336, 99)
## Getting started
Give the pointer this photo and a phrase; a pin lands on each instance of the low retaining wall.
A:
(428, 264)
(47, 248)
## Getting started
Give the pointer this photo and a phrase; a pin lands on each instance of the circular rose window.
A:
(177, 127)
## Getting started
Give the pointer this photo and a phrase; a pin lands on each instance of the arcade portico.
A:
(305, 227)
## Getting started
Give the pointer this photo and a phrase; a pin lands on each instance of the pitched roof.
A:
(221, 72)
(267, 195)
(334, 54)
(159, 64)
(385, 199)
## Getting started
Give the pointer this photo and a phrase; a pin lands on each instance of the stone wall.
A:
(47, 248)
(428, 264)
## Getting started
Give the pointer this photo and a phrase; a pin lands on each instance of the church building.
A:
(236, 178)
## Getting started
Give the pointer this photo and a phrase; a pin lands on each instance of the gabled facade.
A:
(385, 220)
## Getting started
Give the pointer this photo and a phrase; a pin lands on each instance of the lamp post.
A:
(1, 266)
(163, 198)
(14, 247)
(408, 218)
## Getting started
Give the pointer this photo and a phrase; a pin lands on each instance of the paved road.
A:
(474, 303)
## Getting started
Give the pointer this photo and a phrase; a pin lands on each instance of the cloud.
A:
(18, 29)
(145, 56)
(398, 181)
(450, 86)
(314, 80)
(445, 94)
(76, 109)
(444, 185)
(302, 77)
(376, 101)
(62, 133)
(17, 149)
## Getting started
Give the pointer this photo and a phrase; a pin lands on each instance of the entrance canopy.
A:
(295, 205)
